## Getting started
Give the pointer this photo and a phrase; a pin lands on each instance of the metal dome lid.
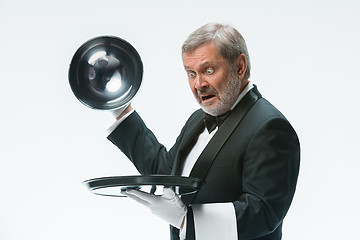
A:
(105, 73)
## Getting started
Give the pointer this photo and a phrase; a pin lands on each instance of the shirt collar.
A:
(248, 87)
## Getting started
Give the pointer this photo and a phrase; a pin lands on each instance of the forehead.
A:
(203, 55)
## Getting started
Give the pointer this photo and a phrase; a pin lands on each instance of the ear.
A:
(241, 64)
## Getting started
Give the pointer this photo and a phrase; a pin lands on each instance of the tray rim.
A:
(181, 182)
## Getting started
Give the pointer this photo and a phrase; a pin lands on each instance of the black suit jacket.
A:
(255, 166)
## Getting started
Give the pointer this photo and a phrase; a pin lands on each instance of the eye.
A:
(209, 70)
(191, 74)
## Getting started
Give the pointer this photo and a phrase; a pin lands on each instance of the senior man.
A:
(244, 150)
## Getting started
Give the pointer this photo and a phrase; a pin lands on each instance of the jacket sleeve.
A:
(141, 146)
(270, 172)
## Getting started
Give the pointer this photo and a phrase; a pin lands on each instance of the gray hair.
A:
(229, 41)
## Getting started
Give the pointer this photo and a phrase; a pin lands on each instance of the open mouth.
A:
(204, 98)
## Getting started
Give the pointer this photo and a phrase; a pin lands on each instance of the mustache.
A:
(206, 93)
(208, 90)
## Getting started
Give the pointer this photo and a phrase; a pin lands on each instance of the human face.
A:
(213, 82)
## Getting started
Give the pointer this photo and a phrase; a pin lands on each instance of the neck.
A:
(247, 87)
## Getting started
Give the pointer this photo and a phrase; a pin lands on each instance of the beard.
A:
(227, 97)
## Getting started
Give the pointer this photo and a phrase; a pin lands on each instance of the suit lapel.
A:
(208, 155)
(195, 127)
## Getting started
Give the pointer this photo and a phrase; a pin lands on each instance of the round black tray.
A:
(113, 186)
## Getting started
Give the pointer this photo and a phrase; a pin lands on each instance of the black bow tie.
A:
(211, 122)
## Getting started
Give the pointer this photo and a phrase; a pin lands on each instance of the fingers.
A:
(168, 193)
(139, 200)
(148, 199)
(139, 196)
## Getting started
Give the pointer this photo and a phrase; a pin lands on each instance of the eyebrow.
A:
(202, 65)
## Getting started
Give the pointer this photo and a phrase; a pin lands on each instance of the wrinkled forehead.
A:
(203, 52)
(191, 49)
(203, 56)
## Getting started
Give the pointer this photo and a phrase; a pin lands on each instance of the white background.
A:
(305, 60)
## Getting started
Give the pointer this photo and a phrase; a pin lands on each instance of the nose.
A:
(200, 82)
